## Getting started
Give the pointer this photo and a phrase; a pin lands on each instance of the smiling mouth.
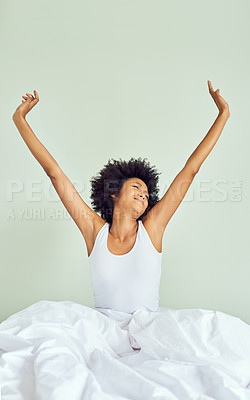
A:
(140, 201)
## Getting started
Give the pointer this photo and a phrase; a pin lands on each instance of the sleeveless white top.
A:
(126, 282)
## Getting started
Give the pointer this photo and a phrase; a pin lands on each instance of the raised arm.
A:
(38, 150)
(161, 213)
(206, 145)
(81, 213)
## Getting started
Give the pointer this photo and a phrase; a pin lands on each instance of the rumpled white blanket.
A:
(68, 351)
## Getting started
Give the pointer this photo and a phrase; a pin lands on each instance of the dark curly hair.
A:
(111, 179)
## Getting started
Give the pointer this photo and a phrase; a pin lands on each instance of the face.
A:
(133, 196)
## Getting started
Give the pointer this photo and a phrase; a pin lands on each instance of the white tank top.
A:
(126, 282)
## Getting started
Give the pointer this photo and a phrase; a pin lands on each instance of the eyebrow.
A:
(138, 183)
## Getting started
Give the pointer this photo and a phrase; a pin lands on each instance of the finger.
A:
(30, 96)
(210, 86)
(36, 95)
(25, 97)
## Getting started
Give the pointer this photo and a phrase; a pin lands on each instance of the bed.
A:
(56, 350)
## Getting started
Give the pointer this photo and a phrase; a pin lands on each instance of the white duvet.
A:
(67, 351)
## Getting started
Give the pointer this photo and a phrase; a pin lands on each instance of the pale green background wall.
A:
(126, 79)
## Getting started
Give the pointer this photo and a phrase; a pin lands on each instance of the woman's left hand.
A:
(219, 101)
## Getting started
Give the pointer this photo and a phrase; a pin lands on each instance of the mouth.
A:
(140, 201)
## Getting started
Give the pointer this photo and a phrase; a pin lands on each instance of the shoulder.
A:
(155, 232)
(98, 223)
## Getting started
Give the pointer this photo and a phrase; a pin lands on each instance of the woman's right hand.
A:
(27, 104)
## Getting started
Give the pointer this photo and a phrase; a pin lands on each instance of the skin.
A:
(127, 209)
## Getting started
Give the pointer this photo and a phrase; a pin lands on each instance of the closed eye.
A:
(137, 188)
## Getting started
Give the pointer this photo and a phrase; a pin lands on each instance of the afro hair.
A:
(111, 179)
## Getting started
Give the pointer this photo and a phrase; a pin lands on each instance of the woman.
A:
(129, 232)
(54, 350)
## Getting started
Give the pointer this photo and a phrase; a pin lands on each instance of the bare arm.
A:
(82, 214)
(204, 148)
(162, 212)
(206, 145)
(38, 150)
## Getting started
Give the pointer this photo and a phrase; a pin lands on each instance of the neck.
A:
(123, 227)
